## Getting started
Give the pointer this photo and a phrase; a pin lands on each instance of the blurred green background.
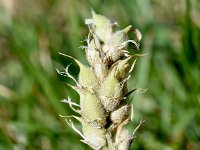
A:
(33, 32)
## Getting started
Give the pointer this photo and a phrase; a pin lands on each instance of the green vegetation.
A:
(33, 32)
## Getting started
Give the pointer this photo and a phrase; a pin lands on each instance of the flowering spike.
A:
(102, 86)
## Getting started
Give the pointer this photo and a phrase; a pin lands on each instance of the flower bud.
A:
(92, 53)
(114, 47)
(87, 78)
(110, 91)
(102, 26)
(121, 68)
(120, 114)
(94, 137)
(85, 72)
(92, 110)
(94, 56)
(125, 140)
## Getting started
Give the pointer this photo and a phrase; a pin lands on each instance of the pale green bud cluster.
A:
(102, 86)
